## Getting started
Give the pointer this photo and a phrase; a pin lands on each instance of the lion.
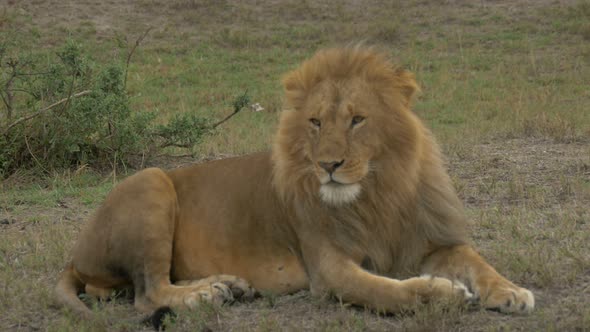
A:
(353, 200)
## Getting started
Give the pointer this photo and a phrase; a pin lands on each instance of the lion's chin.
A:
(339, 194)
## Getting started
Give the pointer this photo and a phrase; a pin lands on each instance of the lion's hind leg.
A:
(142, 213)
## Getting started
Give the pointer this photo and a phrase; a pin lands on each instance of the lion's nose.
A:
(330, 167)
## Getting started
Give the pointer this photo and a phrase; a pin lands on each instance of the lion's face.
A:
(347, 117)
(341, 138)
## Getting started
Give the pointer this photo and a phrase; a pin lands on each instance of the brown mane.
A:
(396, 197)
(355, 62)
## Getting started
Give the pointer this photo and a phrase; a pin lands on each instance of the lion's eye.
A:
(356, 120)
(315, 122)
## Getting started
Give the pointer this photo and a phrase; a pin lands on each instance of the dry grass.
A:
(505, 89)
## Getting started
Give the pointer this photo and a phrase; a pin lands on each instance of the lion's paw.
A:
(218, 289)
(217, 294)
(240, 289)
(447, 287)
(510, 299)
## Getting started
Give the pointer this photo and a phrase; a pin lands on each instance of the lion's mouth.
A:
(331, 181)
(335, 183)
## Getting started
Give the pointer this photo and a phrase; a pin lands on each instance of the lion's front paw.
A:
(447, 288)
(509, 299)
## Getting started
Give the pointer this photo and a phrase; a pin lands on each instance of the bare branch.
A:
(33, 155)
(215, 125)
(8, 101)
(41, 111)
(130, 54)
(4, 99)
(239, 104)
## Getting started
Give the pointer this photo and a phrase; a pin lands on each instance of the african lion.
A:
(353, 198)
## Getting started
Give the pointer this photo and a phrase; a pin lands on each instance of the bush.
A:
(88, 120)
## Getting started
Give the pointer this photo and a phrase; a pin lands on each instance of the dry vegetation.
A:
(506, 90)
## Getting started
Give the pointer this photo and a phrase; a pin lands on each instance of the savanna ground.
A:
(506, 89)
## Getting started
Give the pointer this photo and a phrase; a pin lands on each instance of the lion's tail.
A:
(67, 289)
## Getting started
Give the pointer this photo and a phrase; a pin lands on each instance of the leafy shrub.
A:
(88, 120)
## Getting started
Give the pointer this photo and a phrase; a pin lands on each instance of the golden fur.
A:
(352, 199)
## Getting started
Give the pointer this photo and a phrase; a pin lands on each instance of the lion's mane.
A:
(407, 190)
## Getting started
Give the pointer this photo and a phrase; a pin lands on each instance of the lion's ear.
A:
(406, 84)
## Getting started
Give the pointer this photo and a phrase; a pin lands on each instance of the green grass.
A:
(505, 90)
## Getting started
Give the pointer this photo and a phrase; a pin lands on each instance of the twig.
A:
(239, 104)
(141, 166)
(130, 54)
(8, 89)
(39, 112)
(5, 101)
(115, 169)
(33, 155)
(215, 125)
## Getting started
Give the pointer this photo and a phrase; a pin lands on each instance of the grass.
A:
(505, 90)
